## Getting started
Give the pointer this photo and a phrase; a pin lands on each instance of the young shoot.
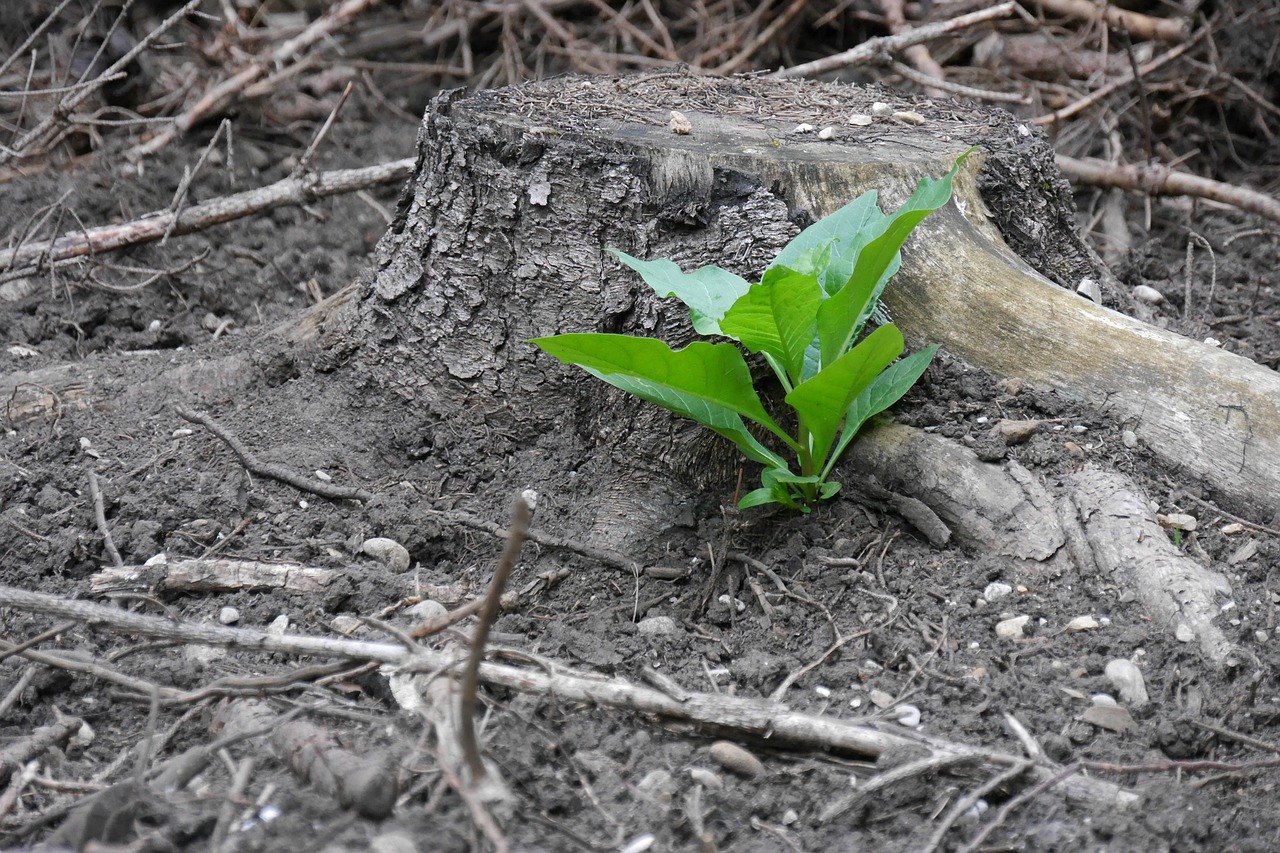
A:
(805, 317)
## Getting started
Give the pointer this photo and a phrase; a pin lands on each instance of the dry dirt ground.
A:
(1200, 754)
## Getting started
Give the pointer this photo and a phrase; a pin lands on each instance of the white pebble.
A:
(1013, 628)
(996, 590)
(1184, 633)
(1148, 294)
(860, 120)
(324, 476)
(1129, 439)
(387, 551)
(803, 128)
(1128, 681)
(881, 109)
(656, 626)
(1082, 623)
(907, 715)
(228, 616)
(827, 133)
(909, 117)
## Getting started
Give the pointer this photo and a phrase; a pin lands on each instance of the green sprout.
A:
(804, 317)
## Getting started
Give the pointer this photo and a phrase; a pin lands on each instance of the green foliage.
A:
(805, 318)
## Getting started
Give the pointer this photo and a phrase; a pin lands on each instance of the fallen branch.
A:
(290, 191)
(873, 48)
(742, 716)
(1156, 179)
(1140, 27)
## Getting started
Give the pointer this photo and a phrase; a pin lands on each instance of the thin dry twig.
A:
(488, 613)
(273, 471)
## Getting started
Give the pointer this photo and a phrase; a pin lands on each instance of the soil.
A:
(589, 777)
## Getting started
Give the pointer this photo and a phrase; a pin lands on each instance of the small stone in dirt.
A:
(1111, 718)
(228, 616)
(881, 699)
(1261, 636)
(393, 842)
(1127, 678)
(1245, 552)
(388, 551)
(278, 625)
(1129, 439)
(656, 626)
(735, 759)
(907, 715)
(345, 624)
(881, 109)
(1082, 623)
(1015, 432)
(426, 609)
(1148, 294)
(1233, 528)
(680, 125)
(1012, 629)
(789, 817)
(658, 784)
(1179, 520)
(996, 590)
(860, 120)
(706, 778)
(1184, 633)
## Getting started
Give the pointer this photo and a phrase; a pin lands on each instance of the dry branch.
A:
(872, 49)
(303, 189)
(716, 712)
(1156, 180)
(1140, 27)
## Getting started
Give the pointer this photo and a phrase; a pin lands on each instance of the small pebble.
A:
(880, 699)
(1183, 633)
(1261, 636)
(425, 610)
(228, 616)
(789, 817)
(1148, 294)
(909, 117)
(1016, 432)
(907, 715)
(803, 128)
(706, 778)
(656, 626)
(1082, 623)
(679, 124)
(640, 843)
(824, 692)
(324, 476)
(860, 120)
(1129, 439)
(1128, 681)
(278, 625)
(735, 759)
(1233, 528)
(1110, 717)
(345, 624)
(1012, 629)
(388, 551)
(827, 133)
(1179, 520)
(996, 590)
(1089, 289)
(880, 109)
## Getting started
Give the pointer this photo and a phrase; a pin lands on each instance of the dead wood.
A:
(713, 712)
(223, 575)
(31, 258)
(1156, 179)
(1138, 26)
(871, 49)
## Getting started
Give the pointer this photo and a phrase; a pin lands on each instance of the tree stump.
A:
(504, 235)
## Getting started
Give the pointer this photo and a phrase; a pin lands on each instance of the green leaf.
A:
(690, 381)
(844, 233)
(821, 401)
(885, 390)
(777, 317)
(708, 291)
(841, 318)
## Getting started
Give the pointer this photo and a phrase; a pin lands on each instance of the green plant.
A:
(804, 317)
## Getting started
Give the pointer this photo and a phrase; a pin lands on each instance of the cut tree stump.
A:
(504, 235)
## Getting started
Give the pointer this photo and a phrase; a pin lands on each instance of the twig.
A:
(218, 97)
(471, 674)
(271, 470)
(971, 92)
(305, 161)
(19, 648)
(290, 191)
(968, 800)
(931, 764)
(1002, 815)
(918, 55)
(872, 48)
(100, 517)
(1160, 180)
(64, 108)
(742, 714)
(1252, 525)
